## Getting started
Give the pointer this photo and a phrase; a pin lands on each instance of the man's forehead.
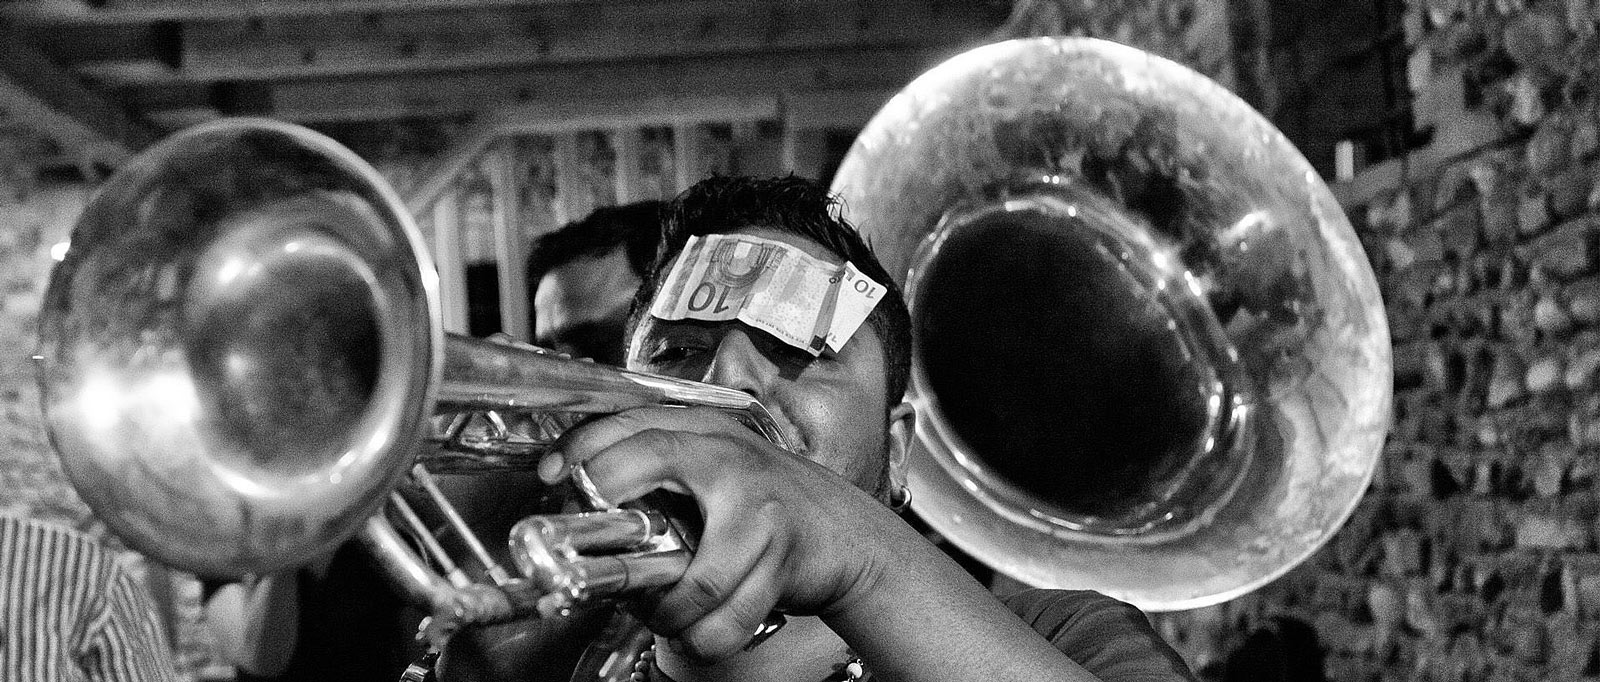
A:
(648, 324)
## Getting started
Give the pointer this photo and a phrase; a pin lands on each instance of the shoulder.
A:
(64, 567)
(15, 528)
(74, 607)
(1111, 638)
(52, 549)
(1066, 608)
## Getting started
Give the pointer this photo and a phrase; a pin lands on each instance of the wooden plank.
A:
(72, 44)
(343, 44)
(632, 113)
(768, 74)
(148, 11)
(52, 101)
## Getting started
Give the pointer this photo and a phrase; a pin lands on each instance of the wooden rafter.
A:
(554, 88)
(177, 62)
(85, 123)
(210, 45)
(146, 11)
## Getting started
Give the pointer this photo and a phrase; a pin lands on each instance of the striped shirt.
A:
(69, 612)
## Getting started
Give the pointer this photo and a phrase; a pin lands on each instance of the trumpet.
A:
(241, 357)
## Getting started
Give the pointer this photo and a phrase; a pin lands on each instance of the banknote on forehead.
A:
(798, 298)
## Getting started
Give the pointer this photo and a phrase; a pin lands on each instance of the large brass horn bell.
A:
(1150, 356)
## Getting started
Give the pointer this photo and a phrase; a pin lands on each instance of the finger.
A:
(735, 564)
(728, 630)
(683, 462)
(582, 442)
(586, 439)
(505, 339)
(642, 462)
(703, 466)
(733, 615)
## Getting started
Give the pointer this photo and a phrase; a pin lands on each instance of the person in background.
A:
(581, 281)
(69, 611)
(582, 278)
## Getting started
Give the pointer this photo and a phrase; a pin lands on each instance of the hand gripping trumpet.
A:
(241, 359)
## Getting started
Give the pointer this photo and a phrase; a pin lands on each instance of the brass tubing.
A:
(421, 531)
(453, 517)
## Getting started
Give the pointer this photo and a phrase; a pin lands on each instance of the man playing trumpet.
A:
(811, 533)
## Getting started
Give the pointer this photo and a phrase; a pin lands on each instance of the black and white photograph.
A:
(799, 340)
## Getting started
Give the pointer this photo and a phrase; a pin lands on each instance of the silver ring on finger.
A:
(585, 485)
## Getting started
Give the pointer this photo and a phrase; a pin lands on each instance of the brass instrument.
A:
(241, 358)
(1150, 356)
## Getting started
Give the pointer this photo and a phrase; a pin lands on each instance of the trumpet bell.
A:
(1150, 357)
(237, 352)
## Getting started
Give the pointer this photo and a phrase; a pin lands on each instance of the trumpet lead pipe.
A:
(485, 375)
(630, 573)
(616, 530)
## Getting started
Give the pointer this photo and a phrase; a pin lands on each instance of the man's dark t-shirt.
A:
(1110, 638)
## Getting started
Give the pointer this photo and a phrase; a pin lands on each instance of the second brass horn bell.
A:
(1150, 356)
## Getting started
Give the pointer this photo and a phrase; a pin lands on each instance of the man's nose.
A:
(739, 363)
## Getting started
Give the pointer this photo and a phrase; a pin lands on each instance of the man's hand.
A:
(781, 532)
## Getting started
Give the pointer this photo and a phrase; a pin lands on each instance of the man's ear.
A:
(902, 434)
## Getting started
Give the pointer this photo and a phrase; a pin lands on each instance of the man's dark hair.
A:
(722, 204)
(635, 226)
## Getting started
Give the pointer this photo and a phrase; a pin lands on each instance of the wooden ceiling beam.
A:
(284, 48)
(52, 101)
(150, 11)
(552, 88)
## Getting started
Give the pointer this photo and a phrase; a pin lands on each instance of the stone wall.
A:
(1474, 555)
